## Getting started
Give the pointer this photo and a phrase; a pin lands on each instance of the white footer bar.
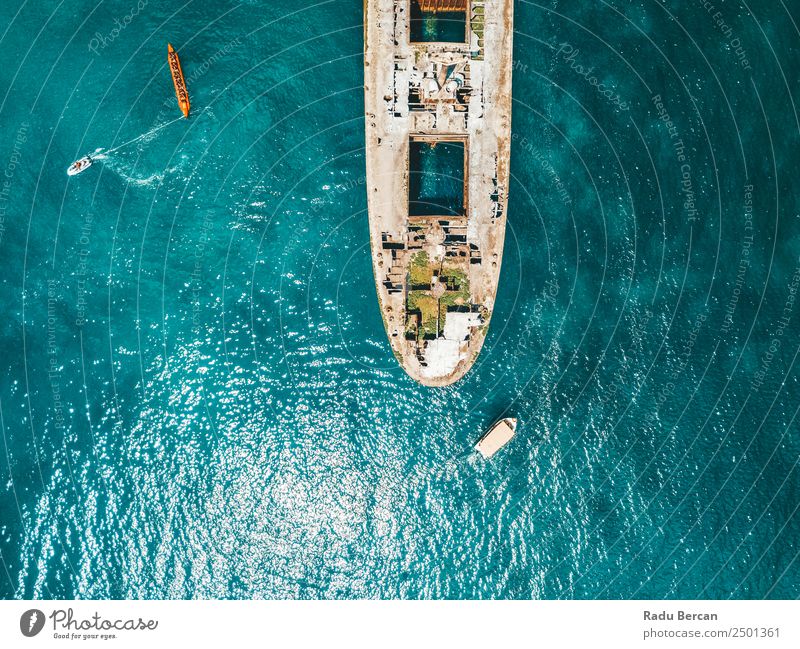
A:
(410, 625)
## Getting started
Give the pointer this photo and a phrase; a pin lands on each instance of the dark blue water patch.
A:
(436, 26)
(436, 178)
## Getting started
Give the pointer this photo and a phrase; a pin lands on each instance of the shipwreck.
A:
(437, 80)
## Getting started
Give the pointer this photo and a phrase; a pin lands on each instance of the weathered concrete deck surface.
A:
(437, 276)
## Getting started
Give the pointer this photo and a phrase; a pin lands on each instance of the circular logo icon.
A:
(31, 622)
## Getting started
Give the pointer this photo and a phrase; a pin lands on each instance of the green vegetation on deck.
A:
(420, 270)
(424, 303)
(422, 307)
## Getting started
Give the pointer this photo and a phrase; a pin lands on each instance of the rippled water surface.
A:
(198, 398)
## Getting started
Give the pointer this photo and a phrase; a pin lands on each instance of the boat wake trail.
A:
(103, 154)
(152, 131)
(123, 171)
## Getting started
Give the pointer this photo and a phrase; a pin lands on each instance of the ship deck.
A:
(437, 260)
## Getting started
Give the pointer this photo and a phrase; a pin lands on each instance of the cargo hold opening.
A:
(438, 21)
(437, 183)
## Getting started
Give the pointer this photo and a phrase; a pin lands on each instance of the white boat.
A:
(79, 165)
(496, 437)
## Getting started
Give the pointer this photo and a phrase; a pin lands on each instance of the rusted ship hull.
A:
(438, 116)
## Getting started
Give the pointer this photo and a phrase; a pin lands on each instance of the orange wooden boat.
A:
(177, 78)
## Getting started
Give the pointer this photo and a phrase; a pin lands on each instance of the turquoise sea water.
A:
(436, 178)
(198, 398)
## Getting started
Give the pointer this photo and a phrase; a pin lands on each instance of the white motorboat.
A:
(496, 437)
(79, 165)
